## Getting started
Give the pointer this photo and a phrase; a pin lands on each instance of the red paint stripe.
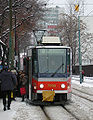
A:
(52, 85)
(55, 85)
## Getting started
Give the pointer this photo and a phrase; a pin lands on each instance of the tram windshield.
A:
(52, 61)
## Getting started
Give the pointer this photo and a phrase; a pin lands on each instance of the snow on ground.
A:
(82, 107)
(22, 111)
(58, 113)
(88, 81)
(86, 86)
(85, 107)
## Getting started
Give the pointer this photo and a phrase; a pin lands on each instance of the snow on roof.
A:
(31, 47)
(51, 39)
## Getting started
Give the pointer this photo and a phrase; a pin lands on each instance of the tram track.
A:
(82, 91)
(77, 111)
(47, 116)
(83, 95)
(61, 113)
(71, 113)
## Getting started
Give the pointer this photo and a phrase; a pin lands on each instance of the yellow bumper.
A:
(48, 95)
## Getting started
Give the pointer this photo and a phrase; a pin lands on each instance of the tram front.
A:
(50, 81)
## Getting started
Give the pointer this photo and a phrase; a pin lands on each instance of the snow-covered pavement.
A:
(21, 111)
(88, 81)
(83, 109)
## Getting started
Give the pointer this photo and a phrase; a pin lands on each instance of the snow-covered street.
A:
(79, 108)
(21, 111)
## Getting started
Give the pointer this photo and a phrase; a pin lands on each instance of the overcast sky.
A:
(88, 7)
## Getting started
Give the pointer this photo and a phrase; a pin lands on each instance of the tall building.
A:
(51, 18)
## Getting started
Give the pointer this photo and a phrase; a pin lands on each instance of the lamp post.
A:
(11, 44)
(80, 60)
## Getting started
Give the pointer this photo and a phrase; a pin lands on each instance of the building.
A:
(50, 22)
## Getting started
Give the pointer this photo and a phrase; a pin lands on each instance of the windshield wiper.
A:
(57, 70)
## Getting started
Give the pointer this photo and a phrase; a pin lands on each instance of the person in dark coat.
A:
(8, 82)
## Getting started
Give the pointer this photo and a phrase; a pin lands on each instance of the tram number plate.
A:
(51, 85)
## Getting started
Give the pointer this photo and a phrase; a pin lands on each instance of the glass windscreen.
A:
(52, 60)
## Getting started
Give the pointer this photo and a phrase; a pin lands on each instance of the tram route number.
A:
(51, 85)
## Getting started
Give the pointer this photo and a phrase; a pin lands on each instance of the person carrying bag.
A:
(23, 81)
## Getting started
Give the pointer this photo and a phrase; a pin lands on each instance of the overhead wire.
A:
(67, 4)
(88, 14)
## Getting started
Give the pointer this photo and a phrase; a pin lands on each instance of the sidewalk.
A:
(21, 111)
(8, 114)
(88, 81)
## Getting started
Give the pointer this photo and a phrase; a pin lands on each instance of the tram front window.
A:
(52, 61)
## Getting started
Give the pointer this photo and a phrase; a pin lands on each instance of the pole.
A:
(15, 28)
(80, 61)
(10, 34)
(15, 36)
(16, 52)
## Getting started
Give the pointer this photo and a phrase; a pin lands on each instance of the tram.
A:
(48, 66)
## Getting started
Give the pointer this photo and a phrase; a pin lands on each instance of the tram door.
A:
(28, 71)
(26, 65)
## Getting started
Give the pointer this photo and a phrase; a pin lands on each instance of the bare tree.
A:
(68, 28)
(27, 13)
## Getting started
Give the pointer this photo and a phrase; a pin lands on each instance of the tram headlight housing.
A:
(41, 86)
(63, 86)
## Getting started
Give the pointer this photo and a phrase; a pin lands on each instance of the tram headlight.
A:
(62, 85)
(35, 88)
(41, 86)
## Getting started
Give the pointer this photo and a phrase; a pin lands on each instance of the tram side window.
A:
(34, 63)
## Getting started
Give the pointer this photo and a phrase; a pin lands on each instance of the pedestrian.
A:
(15, 88)
(22, 82)
(82, 75)
(8, 82)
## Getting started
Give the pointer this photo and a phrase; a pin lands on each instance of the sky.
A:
(88, 7)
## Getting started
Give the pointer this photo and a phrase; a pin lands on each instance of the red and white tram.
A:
(48, 68)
